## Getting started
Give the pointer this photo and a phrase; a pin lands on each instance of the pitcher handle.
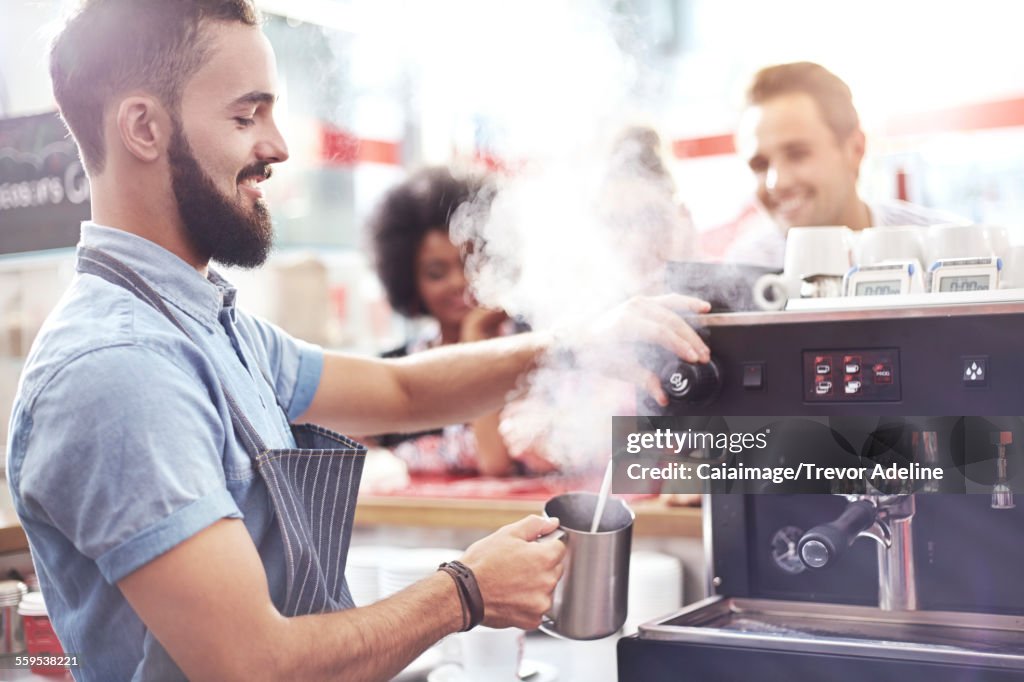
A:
(556, 534)
(548, 624)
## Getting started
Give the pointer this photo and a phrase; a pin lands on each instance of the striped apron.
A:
(312, 487)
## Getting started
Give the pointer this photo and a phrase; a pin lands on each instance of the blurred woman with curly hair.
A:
(423, 276)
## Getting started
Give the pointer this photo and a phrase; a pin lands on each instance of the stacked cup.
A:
(40, 638)
(12, 636)
(402, 567)
(362, 571)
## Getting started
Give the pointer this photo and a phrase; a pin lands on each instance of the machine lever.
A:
(822, 544)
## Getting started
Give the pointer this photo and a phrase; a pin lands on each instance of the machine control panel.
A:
(851, 375)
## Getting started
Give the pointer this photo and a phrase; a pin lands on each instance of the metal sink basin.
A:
(967, 639)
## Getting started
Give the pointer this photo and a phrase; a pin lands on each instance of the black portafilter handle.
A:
(822, 545)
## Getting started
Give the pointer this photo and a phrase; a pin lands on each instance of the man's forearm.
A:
(371, 643)
(459, 383)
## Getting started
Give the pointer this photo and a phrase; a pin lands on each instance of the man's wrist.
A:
(559, 350)
(455, 619)
(471, 599)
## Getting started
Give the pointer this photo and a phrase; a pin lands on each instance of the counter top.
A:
(653, 517)
(12, 538)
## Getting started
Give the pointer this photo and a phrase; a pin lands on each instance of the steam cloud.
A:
(573, 228)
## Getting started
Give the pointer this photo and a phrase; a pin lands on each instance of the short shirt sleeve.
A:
(294, 366)
(125, 457)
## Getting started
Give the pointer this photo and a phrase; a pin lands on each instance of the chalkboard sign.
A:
(44, 193)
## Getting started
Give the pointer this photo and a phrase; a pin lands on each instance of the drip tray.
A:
(815, 627)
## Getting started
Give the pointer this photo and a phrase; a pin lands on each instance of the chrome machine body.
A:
(935, 591)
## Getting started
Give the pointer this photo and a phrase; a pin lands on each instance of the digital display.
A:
(885, 288)
(965, 283)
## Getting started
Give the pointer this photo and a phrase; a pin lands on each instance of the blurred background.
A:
(374, 89)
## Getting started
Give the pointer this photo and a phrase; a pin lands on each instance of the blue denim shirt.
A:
(121, 444)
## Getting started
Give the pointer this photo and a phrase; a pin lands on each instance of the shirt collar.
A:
(176, 281)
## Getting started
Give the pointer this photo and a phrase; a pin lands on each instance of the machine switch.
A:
(753, 376)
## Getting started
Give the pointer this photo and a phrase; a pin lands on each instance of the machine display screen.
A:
(965, 283)
(886, 288)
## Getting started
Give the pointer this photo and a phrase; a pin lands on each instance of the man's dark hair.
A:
(829, 92)
(110, 47)
(397, 226)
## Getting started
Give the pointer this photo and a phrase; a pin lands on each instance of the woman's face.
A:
(441, 280)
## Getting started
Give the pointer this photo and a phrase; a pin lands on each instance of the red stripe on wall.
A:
(342, 148)
(497, 164)
(339, 147)
(1000, 114)
(379, 151)
(703, 146)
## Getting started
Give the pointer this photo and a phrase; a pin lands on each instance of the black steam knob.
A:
(692, 383)
(822, 545)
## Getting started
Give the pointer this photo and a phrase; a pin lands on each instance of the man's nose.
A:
(778, 178)
(272, 148)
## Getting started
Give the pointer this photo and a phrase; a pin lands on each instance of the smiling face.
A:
(805, 175)
(223, 145)
(441, 281)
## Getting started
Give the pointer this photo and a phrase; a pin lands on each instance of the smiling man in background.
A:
(801, 137)
(183, 522)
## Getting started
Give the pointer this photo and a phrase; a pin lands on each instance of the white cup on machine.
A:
(1012, 276)
(957, 241)
(891, 243)
(816, 260)
(965, 241)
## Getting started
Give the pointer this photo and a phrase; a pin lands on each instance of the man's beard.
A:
(216, 227)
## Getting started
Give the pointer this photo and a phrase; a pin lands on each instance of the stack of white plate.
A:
(655, 587)
(403, 567)
(362, 570)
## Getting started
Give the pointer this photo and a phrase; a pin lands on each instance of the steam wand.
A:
(1002, 496)
(886, 519)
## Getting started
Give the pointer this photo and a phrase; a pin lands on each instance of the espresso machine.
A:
(855, 582)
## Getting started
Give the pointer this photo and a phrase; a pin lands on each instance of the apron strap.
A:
(106, 267)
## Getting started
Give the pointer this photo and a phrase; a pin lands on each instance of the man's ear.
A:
(855, 146)
(143, 127)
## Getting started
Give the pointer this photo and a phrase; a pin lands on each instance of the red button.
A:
(883, 373)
